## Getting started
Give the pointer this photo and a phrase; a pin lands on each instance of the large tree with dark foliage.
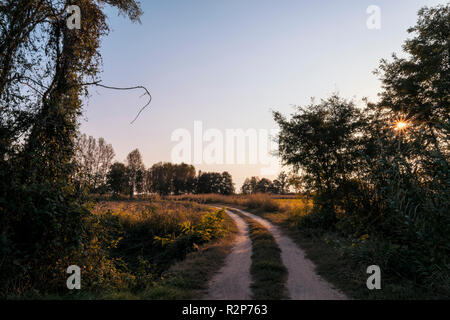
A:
(322, 141)
(117, 179)
(384, 172)
(215, 182)
(44, 68)
(417, 86)
(135, 172)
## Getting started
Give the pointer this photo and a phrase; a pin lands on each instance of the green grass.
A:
(268, 273)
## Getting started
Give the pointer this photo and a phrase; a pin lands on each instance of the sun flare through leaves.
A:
(401, 126)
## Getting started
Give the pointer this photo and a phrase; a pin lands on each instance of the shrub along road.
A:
(233, 280)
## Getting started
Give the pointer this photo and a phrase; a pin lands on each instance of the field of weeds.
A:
(134, 244)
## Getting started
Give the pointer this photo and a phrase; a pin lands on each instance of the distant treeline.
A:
(96, 173)
(278, 186)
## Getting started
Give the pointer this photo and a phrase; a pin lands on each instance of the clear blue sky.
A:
(229, 62)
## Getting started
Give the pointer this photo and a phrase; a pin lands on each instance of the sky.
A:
(228, 63)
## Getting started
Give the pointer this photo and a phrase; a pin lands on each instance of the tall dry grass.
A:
(260, 201)
(134, 242)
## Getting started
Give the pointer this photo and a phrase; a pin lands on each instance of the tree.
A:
(412, 162)
(44, 69)
(135, 169)
(93, 162)
(208, 182)
(167, 178)
(383, 171)
(282, 182)
(183, 175)
(140, 180)
(417, 87)
(253, 184)
(227, 185)
(263, 186)
(321, 140)
(215, 182)
(250, 185)
(246, 187)
(117, 178)
(161, 176)
(296, 182)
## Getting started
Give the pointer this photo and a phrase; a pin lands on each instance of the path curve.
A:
(303, 282)
(232, 282)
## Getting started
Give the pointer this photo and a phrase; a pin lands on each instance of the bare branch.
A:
(127, 88)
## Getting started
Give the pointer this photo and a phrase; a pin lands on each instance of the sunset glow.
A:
(401, 125)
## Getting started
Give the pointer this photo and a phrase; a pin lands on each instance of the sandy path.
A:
(303, 283)
(232, 282)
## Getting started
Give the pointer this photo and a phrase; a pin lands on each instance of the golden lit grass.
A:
(160, 213)
(210, 198)
(260, 201)
(297, 206)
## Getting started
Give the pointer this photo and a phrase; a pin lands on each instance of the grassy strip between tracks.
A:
(268, 273)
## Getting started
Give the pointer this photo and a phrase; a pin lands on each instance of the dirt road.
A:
(303, 283)
(233, 280)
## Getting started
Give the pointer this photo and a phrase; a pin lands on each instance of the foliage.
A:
(383, 172)
(148, 239)
(135, 172)
(125, 247)
(168, 178)
(44, 68)
(39, 225)
(255, 185)
(93, 159)
(214, 182)
(117, 178)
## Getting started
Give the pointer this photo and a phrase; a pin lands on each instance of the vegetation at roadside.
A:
(343, 261)
(268, 273)
(189, 278)
(42, 217)
(252, 201)
(379, 175)
(130, 246)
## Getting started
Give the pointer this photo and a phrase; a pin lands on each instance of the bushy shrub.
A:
(188, 235)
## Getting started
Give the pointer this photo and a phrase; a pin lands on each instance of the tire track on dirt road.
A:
(303, 282)
(233, 280)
